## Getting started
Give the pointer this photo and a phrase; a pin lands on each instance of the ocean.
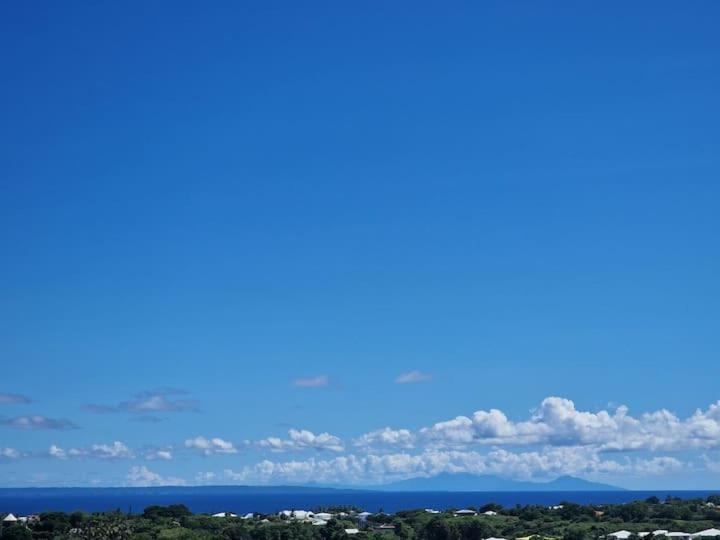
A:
(23, 501)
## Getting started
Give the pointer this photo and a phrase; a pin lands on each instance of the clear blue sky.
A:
(281, 208)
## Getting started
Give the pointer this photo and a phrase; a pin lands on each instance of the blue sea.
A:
(25, 501)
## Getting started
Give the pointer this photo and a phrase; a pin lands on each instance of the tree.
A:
(16, 532)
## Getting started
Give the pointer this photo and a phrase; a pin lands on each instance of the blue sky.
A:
(219, 223)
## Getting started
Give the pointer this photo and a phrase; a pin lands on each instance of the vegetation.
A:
(567, 521)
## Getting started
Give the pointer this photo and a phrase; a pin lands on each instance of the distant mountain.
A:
(471, 482)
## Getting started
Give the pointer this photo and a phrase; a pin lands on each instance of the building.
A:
(465, 512)
(707, 532)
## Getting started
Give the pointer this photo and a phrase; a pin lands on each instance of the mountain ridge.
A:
(471, 482)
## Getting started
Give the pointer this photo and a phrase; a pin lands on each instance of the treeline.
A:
(566, 521)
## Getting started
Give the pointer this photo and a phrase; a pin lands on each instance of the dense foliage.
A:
(567, 521)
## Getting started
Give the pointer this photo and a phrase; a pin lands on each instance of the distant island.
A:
(471, 482)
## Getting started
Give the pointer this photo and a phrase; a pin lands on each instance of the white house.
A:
(296, 514)
(324, 516)
(621, 535)
(351, 531)
(465, 512)
(490, 513)
(362, 516)
(431, 511)
(10, 519)
(318, 522)
(224, 515)
(707, 532)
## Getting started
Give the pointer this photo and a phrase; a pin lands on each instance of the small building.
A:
(707, 532)
(465, 512)
(489, 513)
(431, 511)
(224, 515)
(362, 516)
(10, 519)
(319, 522)
(621, 535)
(351, 531)
(296, 514)
(323, 515)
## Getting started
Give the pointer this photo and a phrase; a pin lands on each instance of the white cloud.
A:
(150, 401)
(141, 476)
(412, 377)
(543, 464)
(116, 450)
(13, 399)
(386, 437)
(557, 422)
(37, 421)
(212, 446)
(164, 454)
(303, 440)
(7, 453)
(312, 382)
(205, 477)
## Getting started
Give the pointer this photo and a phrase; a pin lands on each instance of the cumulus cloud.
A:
(386, 437)
(141, 476)
(13, 399)
(312, 382)
(115, 450)
(7, 453)
(212, 446)
(38, 422)
(412, 377)
(303, 440)
(540, 464)
(158, 400)
(205, 477)
(557, 422)
(159, 453)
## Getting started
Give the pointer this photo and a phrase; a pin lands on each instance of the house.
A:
(465, 512)
(557, 507)
(9, 519)
(362, 516)
(621, 535)
(490, 513)
(707, 532)
(249, 515)
(326, 516)
(431, 511)
(225, 515)
(351, 531)
(296, 514)
(319, 522)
